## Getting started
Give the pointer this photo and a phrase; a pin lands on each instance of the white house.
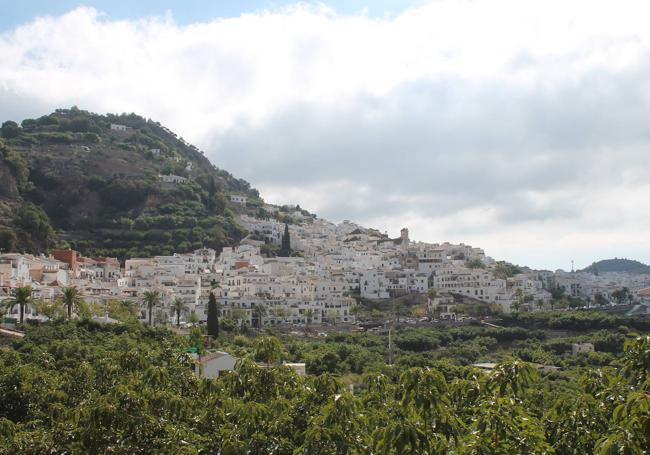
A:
(299, 368)
(120, 128)
(581, 348)
(213, 364)
(237, 199)
(445, 304)
(171, 178)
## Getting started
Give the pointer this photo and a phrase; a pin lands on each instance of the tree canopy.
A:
(83, 387)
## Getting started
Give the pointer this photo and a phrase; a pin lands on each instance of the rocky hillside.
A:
(72, 179)
(618, 265)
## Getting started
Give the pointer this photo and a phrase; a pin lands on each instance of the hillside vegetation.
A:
(618, 265)
(70, 180)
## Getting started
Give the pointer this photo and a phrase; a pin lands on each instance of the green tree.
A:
(599, 299)
(636, 361)
(502, 426)
(213, 316)
(70, 299)
(151, 299)
(179, 307)
(399, 310)
(338, 428)
(622, 295)
(17, 164)
(51, 310)
(268, 350)
(557, 292)
(518, 300)
(475, 264)
(160, 316)
(505, 270)
(10, 129)
(122, 310)
(34, 221)
(309, 317)
(285, 246)
(7, 240)
(22, 297)
(28, 123)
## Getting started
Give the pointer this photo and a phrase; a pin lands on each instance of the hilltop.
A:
(115, 185)
(618, 265)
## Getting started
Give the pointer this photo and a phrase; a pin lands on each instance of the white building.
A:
(171, 178)
(214, 364)
(120, 128)
(238, 199)
(581, 348)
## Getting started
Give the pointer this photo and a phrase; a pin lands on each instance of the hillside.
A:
(69, 179)
(618, 265)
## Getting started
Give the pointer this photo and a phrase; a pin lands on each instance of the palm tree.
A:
(398, 308)
(260, 312)
(179, 307)
(151, 299)
(309, 316)
(22, 297)
(518, 300)
(70, 298)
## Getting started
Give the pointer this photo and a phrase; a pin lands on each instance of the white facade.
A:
(581, 348)
(171, 178)
(214, 364)
(238, 199)
(120, 128)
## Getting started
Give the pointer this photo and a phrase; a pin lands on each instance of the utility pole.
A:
(390, 346)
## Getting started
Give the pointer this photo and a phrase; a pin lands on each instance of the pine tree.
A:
(285, 248)
(213, 316)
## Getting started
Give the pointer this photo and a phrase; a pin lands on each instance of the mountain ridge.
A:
(112, 185)
(618, 265)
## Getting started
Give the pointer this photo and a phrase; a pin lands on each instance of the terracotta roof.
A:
(644, 292)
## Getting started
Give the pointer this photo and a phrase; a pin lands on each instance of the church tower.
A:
(404, 235)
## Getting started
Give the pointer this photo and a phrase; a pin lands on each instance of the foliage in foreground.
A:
(86, 388)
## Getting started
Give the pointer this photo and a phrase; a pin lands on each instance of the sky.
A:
(521, 127)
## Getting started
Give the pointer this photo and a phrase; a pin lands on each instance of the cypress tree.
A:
(213, 316)
(285, 248)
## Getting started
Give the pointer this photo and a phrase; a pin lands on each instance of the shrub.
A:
(7, 240)
(125, 194)
(17, 164)
(10, 129)
(28, 123)
(34, 221)
(56, 138)
(47, 120)
(92, 138)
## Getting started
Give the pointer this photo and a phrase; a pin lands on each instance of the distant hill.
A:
(70, 178)
(618, 265)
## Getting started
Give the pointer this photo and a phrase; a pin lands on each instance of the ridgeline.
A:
(618, 265)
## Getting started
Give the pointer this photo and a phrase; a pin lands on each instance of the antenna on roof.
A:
(572, 265)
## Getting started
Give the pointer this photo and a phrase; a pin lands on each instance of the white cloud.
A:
(519, 126)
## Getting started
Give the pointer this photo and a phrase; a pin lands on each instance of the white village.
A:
(331, 269)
